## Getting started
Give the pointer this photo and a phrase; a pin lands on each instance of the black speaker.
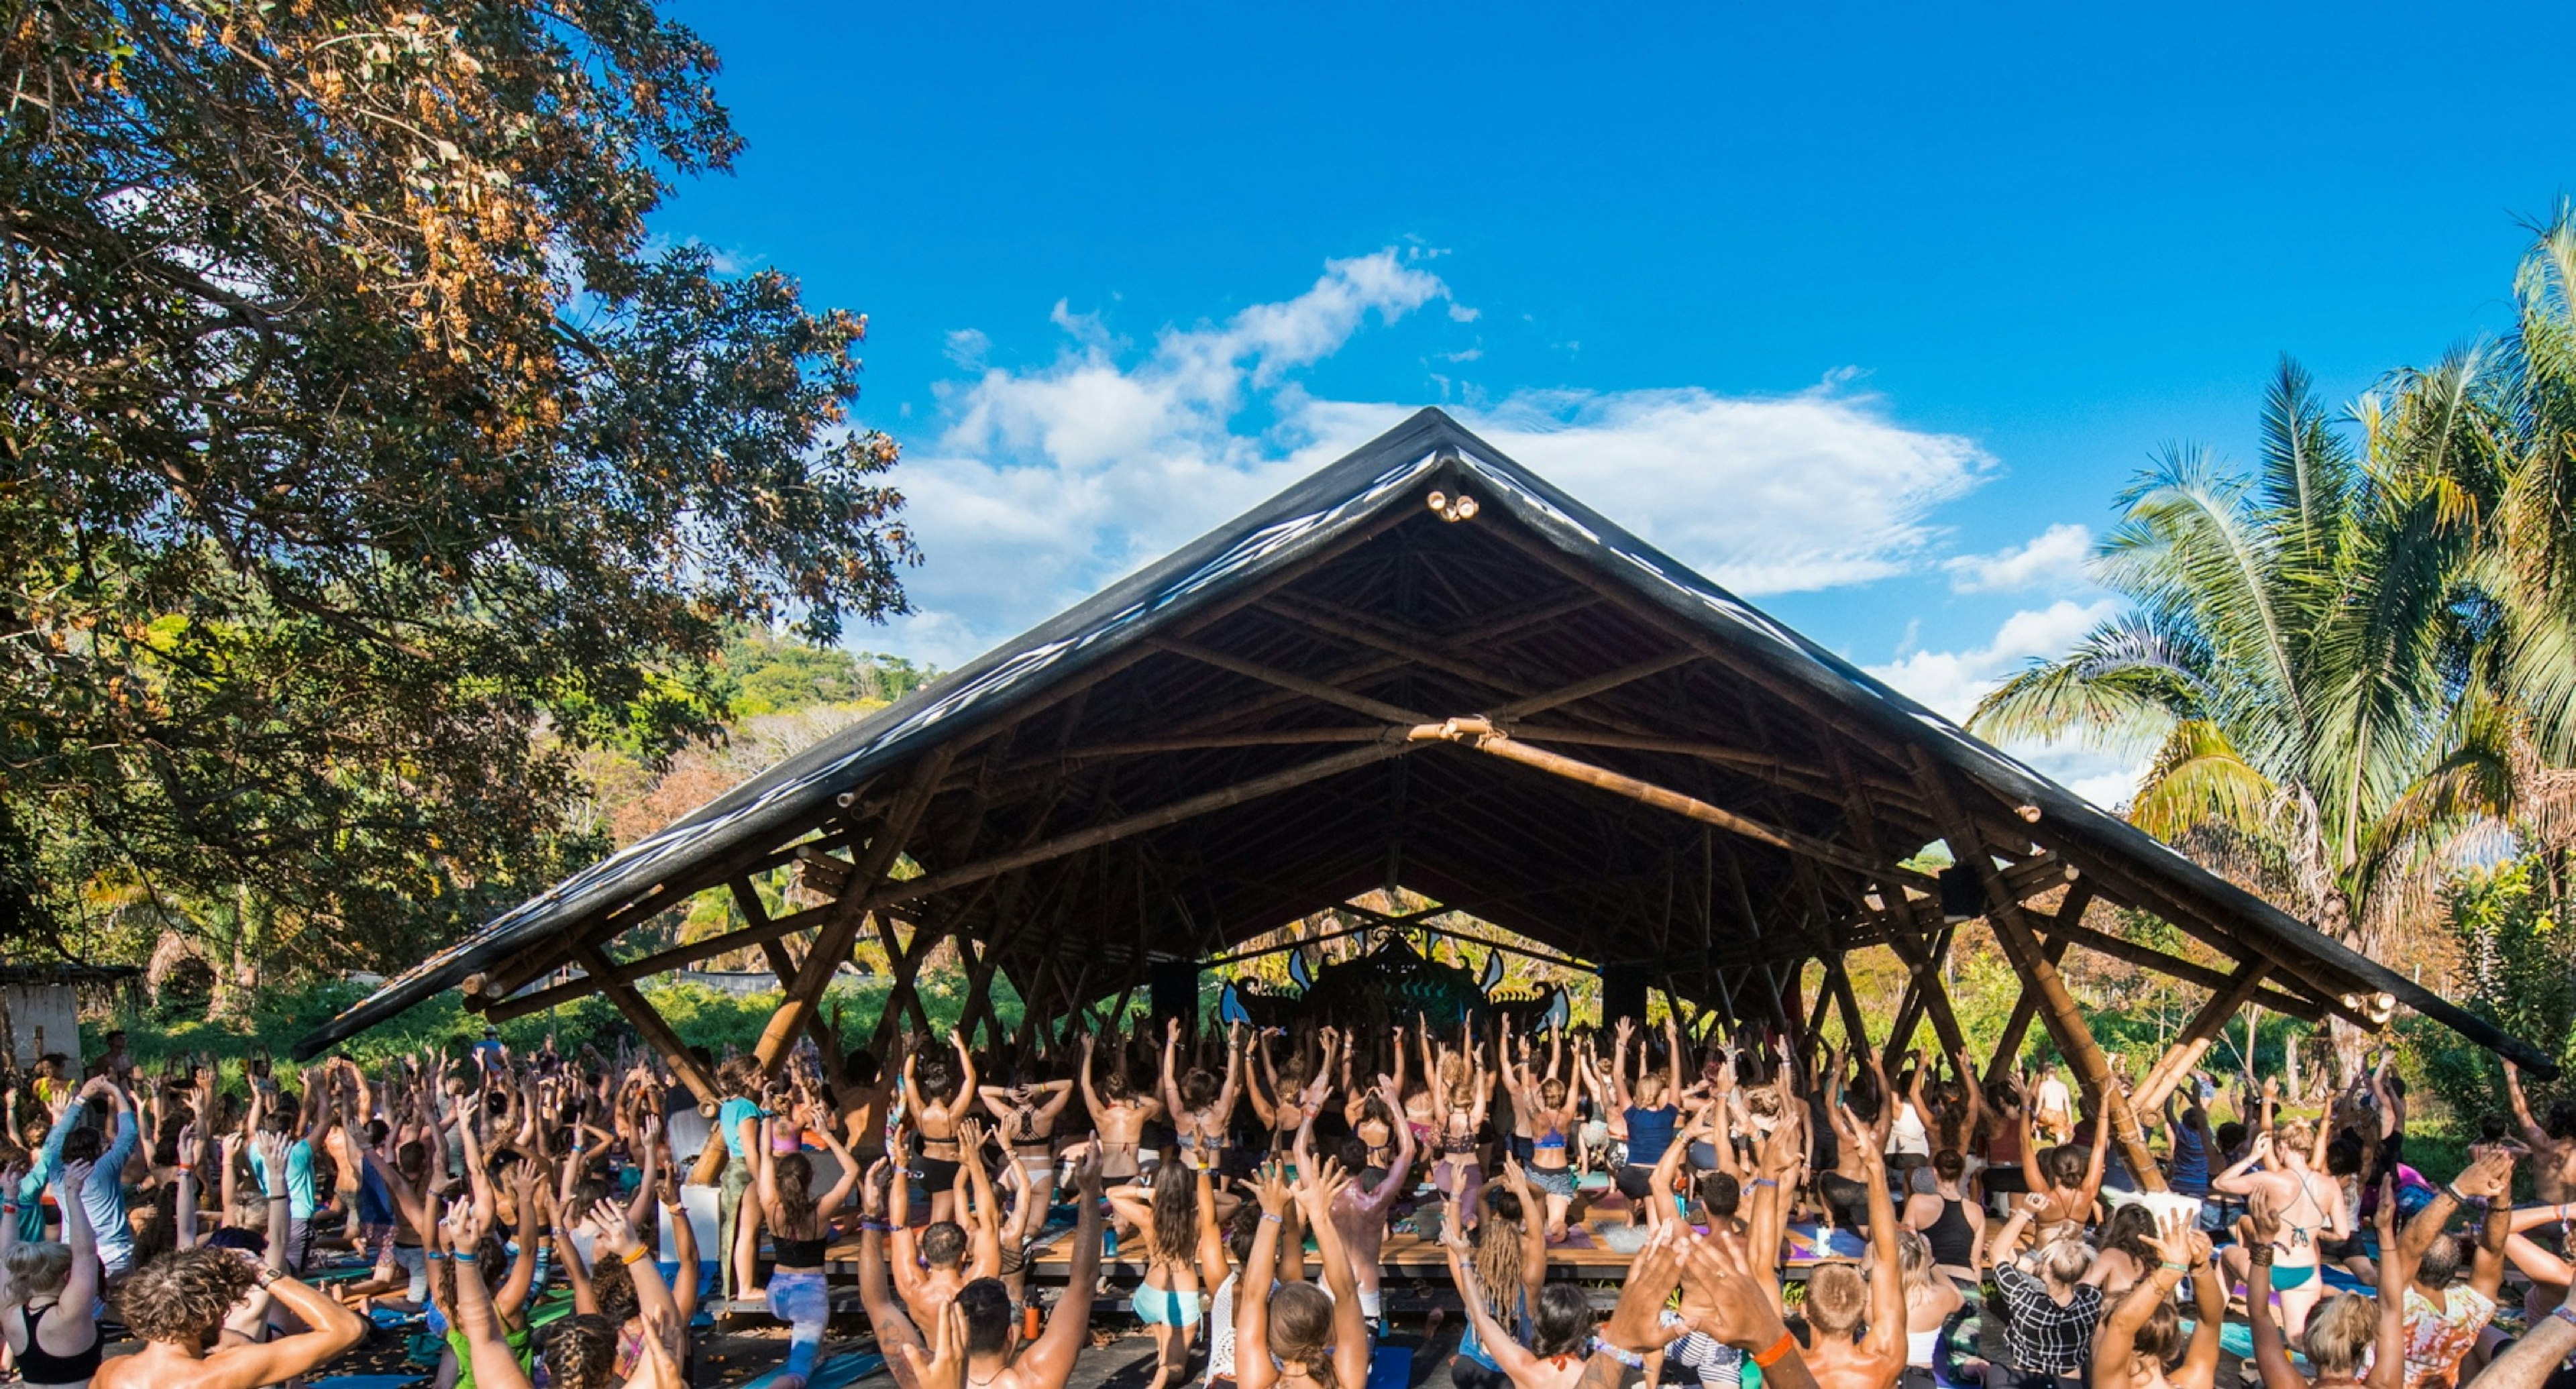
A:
(1623, 994)
(1173, 986)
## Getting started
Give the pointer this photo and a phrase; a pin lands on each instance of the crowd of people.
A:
(1789, 1218)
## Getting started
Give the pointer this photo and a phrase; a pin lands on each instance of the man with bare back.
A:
(1359, 1212)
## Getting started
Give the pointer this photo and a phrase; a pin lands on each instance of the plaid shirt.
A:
(2044, 1336)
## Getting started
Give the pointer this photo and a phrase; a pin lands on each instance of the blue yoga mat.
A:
(835, 1373)
(1390, 1367)
(365, 1382)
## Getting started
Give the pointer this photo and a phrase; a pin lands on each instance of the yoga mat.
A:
(1390, 1367)
(835, 1373)
(1809, 1241)
(364, 1382)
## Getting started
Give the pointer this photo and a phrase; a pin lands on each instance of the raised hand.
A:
(1316, 1190)
(1735, 1305)
(943, 1366)
(1086, 1169)
(2490, 1176)
(2172, 1239)
(271, 1148)
(610, 1230)
(1270, 1187)
(72, 1178)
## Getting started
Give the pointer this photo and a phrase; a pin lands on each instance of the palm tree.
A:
(2297, 648)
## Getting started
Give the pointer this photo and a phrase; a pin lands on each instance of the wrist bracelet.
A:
(1777, 1351)
(2177, 1268)
(1273, 1217)
(464, 1258)
(433, 1255)
(2564, 1312)
(634, 1256)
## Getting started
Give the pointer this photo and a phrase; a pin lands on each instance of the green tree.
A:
(362, 454)
(2293, 649)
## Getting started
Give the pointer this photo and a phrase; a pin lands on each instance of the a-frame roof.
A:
(1248, 731)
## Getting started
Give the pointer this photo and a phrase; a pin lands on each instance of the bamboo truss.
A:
(1483, 711)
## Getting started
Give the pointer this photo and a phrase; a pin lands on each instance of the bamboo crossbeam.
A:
(1794, 776)
(1482, 737)
(1585, 689)
(932, 884)
(1672, 626)
(582, 986)
(2175, 967)
(656, 1033)
(1205, 742)
(1291, 681)
(782, 962)
(833, 944)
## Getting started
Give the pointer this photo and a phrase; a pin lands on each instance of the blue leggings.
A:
(799, 1299)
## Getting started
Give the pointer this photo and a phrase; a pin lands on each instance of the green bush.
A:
(703, 1015)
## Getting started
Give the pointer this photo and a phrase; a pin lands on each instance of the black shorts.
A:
(2007, 1180)
(1847, 1199)
(937, 1174)
(1636, 1183)
(1468, 1374)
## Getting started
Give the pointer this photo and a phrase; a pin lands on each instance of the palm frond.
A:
(2123, 687)
(2199, 779)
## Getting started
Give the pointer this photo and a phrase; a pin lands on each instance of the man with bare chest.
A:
(2553, 1142)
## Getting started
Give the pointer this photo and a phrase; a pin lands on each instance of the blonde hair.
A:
(2065, 1259)
(38, 1268)
(2295, 1136)
(1837, 1300)
(1649, 1091)
(2340, 1332)
(1914, 1258)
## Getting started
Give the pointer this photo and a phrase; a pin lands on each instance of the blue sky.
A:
(1867, 310)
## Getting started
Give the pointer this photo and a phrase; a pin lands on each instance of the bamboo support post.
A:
(2197, 1035)
(833, 944)
(656, 1033)
(2058, 1011)
(783, 963)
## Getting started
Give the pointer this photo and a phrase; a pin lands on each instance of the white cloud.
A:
(1952, 682)
(2052, 559)
(1770, 494)
(1050, 482)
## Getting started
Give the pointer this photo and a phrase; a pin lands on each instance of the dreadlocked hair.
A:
(581, 1350)
(1497, 1255)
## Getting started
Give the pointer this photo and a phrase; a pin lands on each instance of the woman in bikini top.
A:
(1027, 1114)
(1118, 1116)
(1294, 1093)
(940, 1098)
(1200, 1105)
